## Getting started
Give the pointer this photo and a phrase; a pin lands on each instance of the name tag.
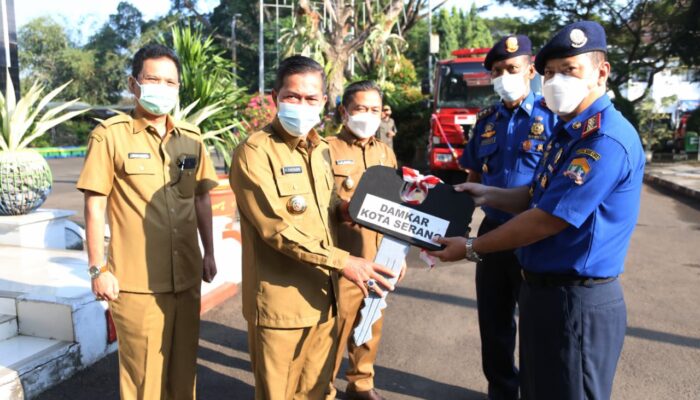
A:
(296, 169)
(140, 155)
(344, 162)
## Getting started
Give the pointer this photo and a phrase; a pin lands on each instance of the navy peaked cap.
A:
(574, 39)
(508, 47)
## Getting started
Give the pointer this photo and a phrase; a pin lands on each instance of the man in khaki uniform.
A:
(153, 175)
(387, 128)
(353, 151)
(283, 183)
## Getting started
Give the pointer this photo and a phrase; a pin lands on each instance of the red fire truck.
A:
(462, 86)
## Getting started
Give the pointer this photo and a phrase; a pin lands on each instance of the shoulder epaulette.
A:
(186, 126)
(259, 137)
(485, 112)
(117, 119)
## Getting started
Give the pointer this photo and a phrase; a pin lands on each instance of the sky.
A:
(86, 16)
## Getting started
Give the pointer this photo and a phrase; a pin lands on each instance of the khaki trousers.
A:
(292, 364)
(360, 373)
(158, 336)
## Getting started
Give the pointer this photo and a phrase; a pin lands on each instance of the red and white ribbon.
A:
(418, 186)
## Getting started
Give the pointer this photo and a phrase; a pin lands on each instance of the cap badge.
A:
(512, 44)
(578, 38)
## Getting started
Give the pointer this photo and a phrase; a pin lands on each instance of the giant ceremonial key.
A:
(408, 209)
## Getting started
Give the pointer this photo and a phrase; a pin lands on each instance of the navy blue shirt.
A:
(506, 145)
(591, 177)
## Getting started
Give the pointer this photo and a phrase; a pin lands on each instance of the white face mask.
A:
(363, 125)
(563, 93)
(156, 98)
(298, 119)
(510, 87)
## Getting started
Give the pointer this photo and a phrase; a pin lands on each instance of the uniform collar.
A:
(588, 121)
(294, 141)
(141, 124)
(348, 137)
(526, 106)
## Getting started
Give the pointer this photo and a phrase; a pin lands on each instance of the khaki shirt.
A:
(154, 246)
(290, 262)
(385, 127)
(350, 161)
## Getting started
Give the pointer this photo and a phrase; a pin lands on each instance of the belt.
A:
(536, 279)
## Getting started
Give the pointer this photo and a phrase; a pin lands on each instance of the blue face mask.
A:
(157, 99)
(298, 119)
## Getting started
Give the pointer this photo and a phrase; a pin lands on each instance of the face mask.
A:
(563, 93)
(510, 87)
(363, 125)
(298, 119)
(157, 99)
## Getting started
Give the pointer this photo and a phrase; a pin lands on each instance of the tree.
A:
(643, 36)
(447, 25)
(346, 29)
(40, 40)
(475, 32)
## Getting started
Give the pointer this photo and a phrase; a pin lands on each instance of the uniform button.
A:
(175, 230)
(172, 210)
(175, 252)
(509, 148)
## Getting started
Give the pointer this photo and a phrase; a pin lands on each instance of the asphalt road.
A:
(430, 348)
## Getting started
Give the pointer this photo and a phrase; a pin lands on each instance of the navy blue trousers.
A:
(497, 286)
(570, 340)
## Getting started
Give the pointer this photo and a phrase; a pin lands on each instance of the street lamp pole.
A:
(261, 53)
(234, 58)
(430, 39)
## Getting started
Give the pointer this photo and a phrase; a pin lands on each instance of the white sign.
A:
(401, 219)
(434, 43)
(465, 119)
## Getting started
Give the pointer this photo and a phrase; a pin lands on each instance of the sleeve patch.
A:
(577, 170)
(590, 153)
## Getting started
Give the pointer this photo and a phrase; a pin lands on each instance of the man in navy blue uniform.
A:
(507, 143)
(573, 228)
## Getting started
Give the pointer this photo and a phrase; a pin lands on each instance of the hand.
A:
(359, 271)
(344, 211)
(209, 270)
(105, 287)
(476, 190)
(454, 250)
(402, 274)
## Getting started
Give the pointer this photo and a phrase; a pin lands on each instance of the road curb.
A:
(649, 178)
(218, 296)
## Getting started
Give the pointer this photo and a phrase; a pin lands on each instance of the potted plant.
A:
(25, 176)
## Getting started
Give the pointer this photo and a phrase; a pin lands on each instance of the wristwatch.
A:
(95, 271)
(471, 255)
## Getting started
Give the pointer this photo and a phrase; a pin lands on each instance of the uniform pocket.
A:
(485, 156)
(290, 185)
(184, 175)
(139, 166)
(529, 155)
(187, 183)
